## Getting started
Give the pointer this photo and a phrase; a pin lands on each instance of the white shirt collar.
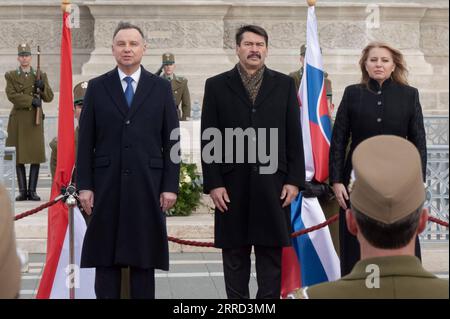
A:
(135, 76)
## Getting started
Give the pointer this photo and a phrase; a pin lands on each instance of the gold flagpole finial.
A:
(65, 5)
(311, 2)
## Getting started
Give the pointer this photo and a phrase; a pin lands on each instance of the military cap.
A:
(23, 49)
(78, 93)
(303, 50)
(168, 58)
(388, 178)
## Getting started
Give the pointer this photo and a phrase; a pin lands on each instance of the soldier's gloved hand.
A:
(39, 84)
(36, 102)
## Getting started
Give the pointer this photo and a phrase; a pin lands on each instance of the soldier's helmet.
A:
(23, 49)
(168, 58)
(78, 93)
(303, 50)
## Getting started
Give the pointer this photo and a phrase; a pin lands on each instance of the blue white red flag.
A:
(316, 255)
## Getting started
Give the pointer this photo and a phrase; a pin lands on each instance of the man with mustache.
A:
(252, 206)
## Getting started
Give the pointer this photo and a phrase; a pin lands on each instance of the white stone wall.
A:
(201, 35)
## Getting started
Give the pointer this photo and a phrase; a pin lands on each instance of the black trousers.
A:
(237, 267)
(350, 252)
(108, 283)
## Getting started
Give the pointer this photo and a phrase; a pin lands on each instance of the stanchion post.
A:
(71, 201)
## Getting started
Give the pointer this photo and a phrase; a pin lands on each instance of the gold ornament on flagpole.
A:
(65, 5)
(311, 2)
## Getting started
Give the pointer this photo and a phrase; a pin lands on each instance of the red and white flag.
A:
(55, 282)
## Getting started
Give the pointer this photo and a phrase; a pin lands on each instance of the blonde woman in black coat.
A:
(383, 103)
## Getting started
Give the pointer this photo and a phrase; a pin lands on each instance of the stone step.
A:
(31, 232)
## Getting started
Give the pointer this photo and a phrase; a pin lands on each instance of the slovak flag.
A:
(317, 259)
(57, 275)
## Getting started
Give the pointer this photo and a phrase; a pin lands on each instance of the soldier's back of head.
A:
(386, 214)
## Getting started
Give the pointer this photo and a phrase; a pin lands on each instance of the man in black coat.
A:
(124, 160)
(252, 194)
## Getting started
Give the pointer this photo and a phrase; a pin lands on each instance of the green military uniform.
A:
(330, 207)
(401, 277)
(78, 96)
(180, 89)
(23, 133)
(54, 153)
(297, 76)
(386, 215)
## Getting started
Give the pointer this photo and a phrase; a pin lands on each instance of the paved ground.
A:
(191, 276)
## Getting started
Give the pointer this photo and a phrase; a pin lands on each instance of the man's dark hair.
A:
(251, 28)
(388, 236)
(127, 25)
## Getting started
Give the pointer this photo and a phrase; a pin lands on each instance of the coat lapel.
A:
(235, 83)
(144, 88)
(268, 84)
(115, 90)
(175, 83)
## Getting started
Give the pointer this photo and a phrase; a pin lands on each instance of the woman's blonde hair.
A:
(400, 72)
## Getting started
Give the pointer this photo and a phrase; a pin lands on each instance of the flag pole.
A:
(70, 202)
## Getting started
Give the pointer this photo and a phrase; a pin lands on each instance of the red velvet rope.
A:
(329, 221)
(39, 208)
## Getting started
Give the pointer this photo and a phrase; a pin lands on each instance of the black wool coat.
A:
(255, 215)
(364, 112)
(124, 158)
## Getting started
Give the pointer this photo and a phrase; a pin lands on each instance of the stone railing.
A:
(437, 176)
(436, 127)
(7, 165)
(437, 192)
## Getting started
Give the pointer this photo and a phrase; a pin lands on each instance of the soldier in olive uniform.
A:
(78, 95)
(297, 76)
(23, 133)
(386, 216)
(180, 88)
(322, 191)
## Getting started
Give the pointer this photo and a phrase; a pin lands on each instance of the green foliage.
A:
(190, 191)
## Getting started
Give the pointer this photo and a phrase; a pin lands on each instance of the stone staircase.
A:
(31, 231)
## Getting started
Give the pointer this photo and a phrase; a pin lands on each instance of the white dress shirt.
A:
(135, 76)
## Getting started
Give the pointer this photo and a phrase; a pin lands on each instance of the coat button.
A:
(254, 110)
(379, 92)
(379, 102)
(379, 120)
(127, 122)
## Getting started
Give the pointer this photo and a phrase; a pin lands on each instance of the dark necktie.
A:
(129, 93)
